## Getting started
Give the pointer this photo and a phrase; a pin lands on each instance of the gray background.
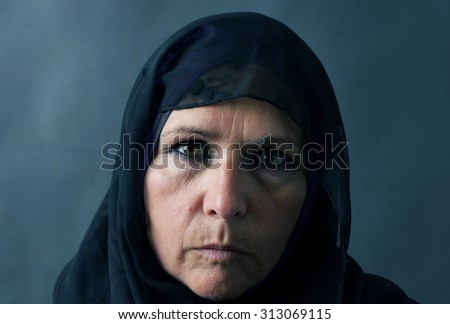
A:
(66, 68)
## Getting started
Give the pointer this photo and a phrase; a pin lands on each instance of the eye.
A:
(189, 149)
(265, 158)
(192, 151)
(273, 159)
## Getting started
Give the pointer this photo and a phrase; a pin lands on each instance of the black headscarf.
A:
(214, 59)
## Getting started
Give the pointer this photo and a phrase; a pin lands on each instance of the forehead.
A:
(244, 118)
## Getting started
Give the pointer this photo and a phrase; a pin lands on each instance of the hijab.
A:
(211, 60)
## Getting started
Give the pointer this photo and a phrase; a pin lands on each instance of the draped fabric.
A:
(211, 60)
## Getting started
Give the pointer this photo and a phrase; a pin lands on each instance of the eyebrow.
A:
(192, 131)
(280, 140)
(212, 135)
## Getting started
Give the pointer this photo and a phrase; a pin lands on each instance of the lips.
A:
(220, 253)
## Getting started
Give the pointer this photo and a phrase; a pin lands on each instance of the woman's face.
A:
(220, 200)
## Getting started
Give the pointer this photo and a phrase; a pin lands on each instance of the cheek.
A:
(290, 200)
(168, 209)
(280, 212)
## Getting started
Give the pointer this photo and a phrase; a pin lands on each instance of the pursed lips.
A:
(220, 253)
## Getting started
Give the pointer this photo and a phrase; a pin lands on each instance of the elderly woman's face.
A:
(220, 206)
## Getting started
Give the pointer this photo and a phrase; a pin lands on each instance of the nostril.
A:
(225, 206)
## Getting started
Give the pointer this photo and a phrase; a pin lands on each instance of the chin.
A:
(219, 289)
(219, 294)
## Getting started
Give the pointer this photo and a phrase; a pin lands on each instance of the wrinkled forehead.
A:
(242, 120)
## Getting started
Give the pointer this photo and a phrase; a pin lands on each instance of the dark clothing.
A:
(211, 60)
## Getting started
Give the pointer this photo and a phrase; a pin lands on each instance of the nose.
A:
(225, 195)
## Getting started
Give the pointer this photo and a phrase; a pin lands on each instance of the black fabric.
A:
(214, 59)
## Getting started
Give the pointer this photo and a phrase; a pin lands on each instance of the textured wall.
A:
(67, 68)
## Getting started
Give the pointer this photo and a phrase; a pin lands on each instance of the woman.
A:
(241, 201)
